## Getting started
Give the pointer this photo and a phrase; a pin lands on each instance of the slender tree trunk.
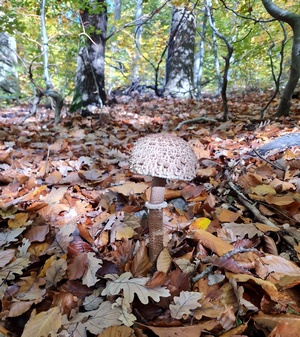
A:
(294, 21)
(180, 57)
(138, 38)
(49, 91)
(90, 82)
(117, 9)
(224, 82)
(9, 83)
(199, 57)
(214, 44)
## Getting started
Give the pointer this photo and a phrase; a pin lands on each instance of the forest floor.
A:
(73, 238)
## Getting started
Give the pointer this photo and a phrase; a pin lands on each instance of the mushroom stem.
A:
(155, 218)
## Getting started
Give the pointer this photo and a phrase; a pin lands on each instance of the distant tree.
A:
(117, 9)
(180, 56)
(9, 83)
(90, 80)
(294, 21)
(138, 37)
(48, 90)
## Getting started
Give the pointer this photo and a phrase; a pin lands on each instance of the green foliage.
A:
(250, 63)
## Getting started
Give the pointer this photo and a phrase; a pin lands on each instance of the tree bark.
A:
(90, 80)
(199, 57)
(180, 57)
(294, 21)
(9, 82)
(138, 38)
(117, 9)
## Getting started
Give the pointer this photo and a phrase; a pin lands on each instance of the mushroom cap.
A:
(163, 155)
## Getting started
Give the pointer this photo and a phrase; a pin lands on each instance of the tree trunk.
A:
(214, 44)
(294, 21)
(9, 82)
(117, 9)
(180, 57)
(222, 84)
(199, 57)
(90, 81)
(138, 38)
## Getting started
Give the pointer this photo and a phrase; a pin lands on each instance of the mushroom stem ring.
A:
(156, 206)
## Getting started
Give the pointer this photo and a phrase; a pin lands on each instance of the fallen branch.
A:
(245, 201)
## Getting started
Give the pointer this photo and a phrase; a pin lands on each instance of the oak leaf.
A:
(131, 286)
(186, 302)
(90, 277)
(15, 267)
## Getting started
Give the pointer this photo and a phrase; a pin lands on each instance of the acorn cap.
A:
(165, 156)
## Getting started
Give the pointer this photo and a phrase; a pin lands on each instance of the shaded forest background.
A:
(137, 42)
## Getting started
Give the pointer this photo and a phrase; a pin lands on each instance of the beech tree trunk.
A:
(199, 57)
(180, 57)
(138, 38)
(294, 21)
(9, 83)
(90, 80)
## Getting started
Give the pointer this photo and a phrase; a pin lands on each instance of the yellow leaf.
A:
(201, 223)
(47, 265)
(125, 232)
(18, 220)
(263, 190)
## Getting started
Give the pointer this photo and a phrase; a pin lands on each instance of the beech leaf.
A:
(43, 324)
(6, 256)
(186, 302)
(131, 286)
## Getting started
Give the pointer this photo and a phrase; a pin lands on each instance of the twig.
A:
(245, 201)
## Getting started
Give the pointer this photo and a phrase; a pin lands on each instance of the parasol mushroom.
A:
(162, 156)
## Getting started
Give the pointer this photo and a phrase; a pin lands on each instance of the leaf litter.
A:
(74, 235)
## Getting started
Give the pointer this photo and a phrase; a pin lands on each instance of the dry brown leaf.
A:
(163, 262)
(43, 324)
(225, 215)
(184, 331)
(208, 240)
(141, 264)
(271, 321)
(130, 187)
(279, 200)
(284, 329)
(263, 190)
(267, 286)
(37, 233)
(6, 256)
(120, 331)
